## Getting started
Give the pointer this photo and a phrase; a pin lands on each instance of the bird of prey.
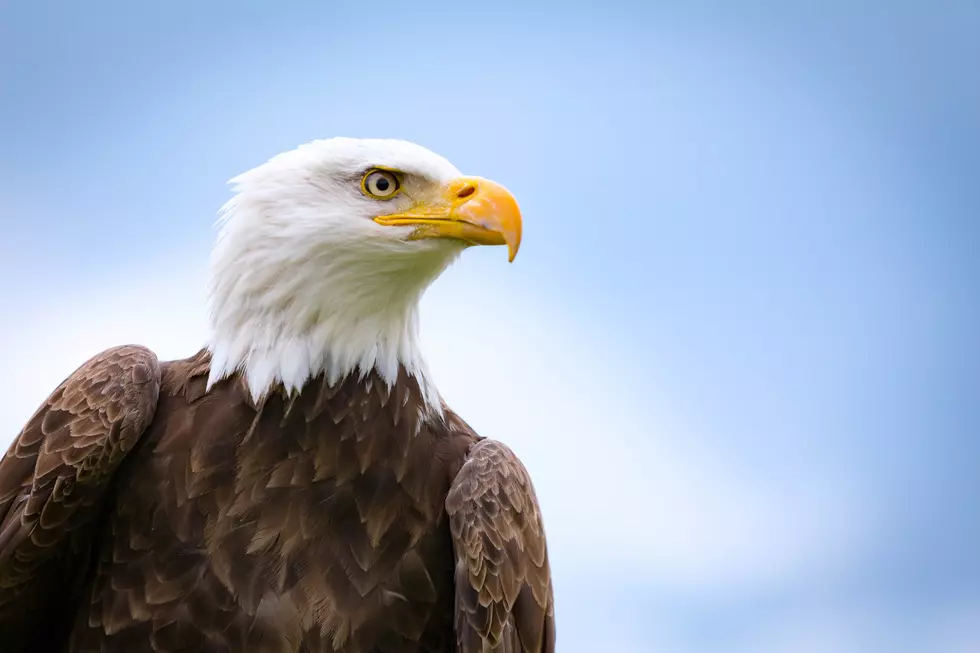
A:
(297, 485)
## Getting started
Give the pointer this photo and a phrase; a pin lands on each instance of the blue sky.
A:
(738, 349)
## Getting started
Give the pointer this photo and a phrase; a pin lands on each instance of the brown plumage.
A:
(139, 512)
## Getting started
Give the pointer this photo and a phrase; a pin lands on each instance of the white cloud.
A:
(623, 488)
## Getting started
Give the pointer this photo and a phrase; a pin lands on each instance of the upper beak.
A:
(475, 210)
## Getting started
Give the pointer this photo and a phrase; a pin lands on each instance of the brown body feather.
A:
(140, 513)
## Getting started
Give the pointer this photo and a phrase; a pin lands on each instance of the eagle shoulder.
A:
(504, 594)
(55, 474)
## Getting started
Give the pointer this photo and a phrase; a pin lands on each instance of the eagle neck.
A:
(348, 329)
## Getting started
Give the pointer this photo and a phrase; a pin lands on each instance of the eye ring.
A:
(380, 184)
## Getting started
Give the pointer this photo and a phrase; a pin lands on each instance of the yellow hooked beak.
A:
(472, 209)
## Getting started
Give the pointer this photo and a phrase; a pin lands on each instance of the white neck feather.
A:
(296, 341)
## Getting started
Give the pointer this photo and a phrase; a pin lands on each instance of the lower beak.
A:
(475, 210)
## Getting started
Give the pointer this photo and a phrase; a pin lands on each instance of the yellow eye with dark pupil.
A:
(380, 184)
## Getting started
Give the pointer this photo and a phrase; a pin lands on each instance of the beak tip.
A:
(512, 248)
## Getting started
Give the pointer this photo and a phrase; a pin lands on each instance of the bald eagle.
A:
(298, 484)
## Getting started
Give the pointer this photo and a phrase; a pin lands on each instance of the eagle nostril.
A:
(466, 191)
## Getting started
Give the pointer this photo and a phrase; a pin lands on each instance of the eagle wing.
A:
(504, 596)
(53, 479)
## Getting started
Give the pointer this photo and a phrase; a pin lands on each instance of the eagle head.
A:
(323, 255)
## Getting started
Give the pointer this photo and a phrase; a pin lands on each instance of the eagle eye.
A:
(380, 184)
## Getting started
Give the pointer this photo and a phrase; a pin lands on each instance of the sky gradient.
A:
(738, 350)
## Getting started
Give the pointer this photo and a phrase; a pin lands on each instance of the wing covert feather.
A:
(54, 476)
(504, 595)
